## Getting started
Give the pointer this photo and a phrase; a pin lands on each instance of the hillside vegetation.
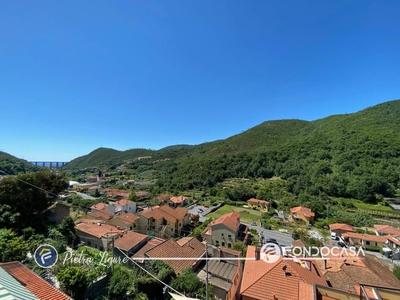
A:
(12, 165)
(351, 156)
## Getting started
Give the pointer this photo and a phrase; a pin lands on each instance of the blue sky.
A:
(78, 75)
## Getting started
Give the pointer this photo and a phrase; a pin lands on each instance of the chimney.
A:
(324, 268)
(257, 253)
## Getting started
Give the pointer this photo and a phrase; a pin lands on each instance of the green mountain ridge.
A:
(11, 165)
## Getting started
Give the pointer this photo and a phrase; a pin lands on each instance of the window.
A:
(223, 244)
(368, 243)
(101, 248)
(222, 234)
(89, 243)
(229, 236)
(229, 245)
(217, 243)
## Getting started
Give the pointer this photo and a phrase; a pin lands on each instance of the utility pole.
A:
(206, 271)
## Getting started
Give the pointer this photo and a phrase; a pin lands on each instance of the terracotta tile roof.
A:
(149, 245)
(178, 199)
(306, 291)
(32, 282)
(300, 210)
(103, 214)
(123, 202)
(257, 201)
(99, 206)
(341, 226)
(393, 240)
(267, 281)
(163, 197)
(183, 241)
(129, 240)
(94, 221)
(365, 237)
(128, 218)
(116, 192)
(232, 220)
(166, 212)
(387, 230)
(171, 249)
(96, 230)
(347, 275)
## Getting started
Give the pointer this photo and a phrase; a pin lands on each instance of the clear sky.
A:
(79, 75)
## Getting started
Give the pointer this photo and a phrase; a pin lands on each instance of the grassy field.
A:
(246, 215)
(372, 206)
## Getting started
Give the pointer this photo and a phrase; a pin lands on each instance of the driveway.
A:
(84, 196)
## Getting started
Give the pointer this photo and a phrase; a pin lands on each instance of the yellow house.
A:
(301, 213)
(226, 230)
(163, 221)
(126, 221)
(258, 204)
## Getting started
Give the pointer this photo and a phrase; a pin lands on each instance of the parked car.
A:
(271, 241)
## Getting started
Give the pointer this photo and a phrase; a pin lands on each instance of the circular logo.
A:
(270, 252)
(46, 256)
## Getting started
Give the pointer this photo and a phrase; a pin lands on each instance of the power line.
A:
(28, 183)
(149, 273)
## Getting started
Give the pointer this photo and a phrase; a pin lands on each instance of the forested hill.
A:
(352, 155)
(12, 165)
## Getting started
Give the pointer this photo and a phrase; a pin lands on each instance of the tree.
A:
(67, 229)
(29, 195)
(121, 283)
(12, 247)
(133, 196)
(239, 246)
(74, 280)
(187, 282)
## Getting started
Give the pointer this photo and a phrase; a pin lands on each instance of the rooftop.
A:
(171, 249)
(257, 201)
(387, 230)
(102, 214)
(365, 237)
(128, 218)
(232, 220)
(129, 240)
(96, 230)
(341, 226)
(300, 210)
(283, 279)
(346, 274)
(32, 282)
(148, 246)
(99, 206)
(178, 199)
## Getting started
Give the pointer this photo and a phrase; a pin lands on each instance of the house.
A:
(346, 271)
(163, 221)
(283, 279)
(117, 193)
(97, 235)
(130, 242)
(150, 244)
(124, 205)
(58, 212)
(226, 230)
(386, 230)
(190, 251)
(103, 214)
(142, 195)
(94, 190)
(178, 201)
(261, 205)
(98, 206)
(364, 240)
(126, 221)
(18, 282)
(163, 198)
(301, 213)
(224, 273)
(340, 228)
(393, 242)
(91, 179)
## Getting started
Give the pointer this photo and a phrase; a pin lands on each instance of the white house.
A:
(125, 206)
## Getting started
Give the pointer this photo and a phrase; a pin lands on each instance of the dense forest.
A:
(11, 165)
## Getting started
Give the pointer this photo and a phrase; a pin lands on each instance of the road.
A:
(84, 196)
(283, 239)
